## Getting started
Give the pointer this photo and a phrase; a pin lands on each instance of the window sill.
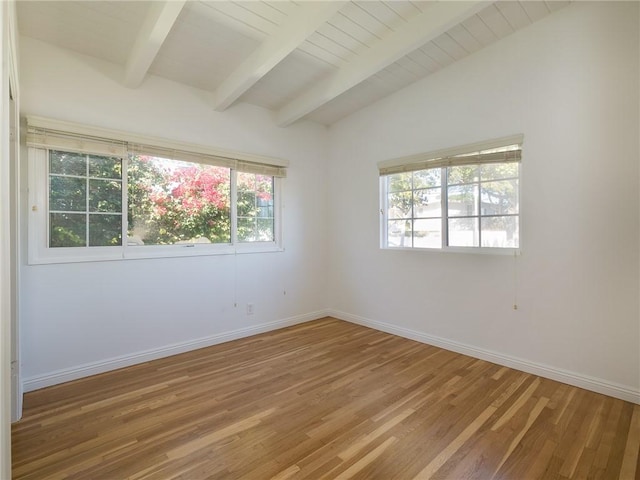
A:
(463, 250)
(112, 254)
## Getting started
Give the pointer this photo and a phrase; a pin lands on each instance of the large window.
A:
(145, 201)
(465, 200)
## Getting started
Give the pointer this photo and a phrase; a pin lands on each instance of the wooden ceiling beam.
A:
(153, 33)
(295, 29)
(421, 29)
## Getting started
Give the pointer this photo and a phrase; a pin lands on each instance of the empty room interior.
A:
(285, 239)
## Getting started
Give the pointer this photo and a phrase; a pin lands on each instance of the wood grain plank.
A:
(632, 448)
(428, 471)
(324, 399)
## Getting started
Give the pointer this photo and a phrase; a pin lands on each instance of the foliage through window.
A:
(169, 202)
(255, 208)
(173, 202)
(96, 194)
(85, 200)
(464, 201)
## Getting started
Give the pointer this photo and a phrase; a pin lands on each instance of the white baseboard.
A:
(93, 368)
(572, 378)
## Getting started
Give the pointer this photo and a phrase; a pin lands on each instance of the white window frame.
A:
(39, 251)
(439, 159)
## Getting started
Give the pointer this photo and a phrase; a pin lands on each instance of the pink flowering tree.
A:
(173, 201)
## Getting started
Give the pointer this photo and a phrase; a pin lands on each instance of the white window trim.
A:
(39, 251)
(423, 159)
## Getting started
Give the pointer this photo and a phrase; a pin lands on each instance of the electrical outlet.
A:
(249, 308)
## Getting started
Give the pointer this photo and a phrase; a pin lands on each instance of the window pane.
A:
(463, 232)
(255, 208)
(105, 230)
(427, 202)
(399, 233)
(399, 182)
(255, 229)
(463, 174)
(265, 212)
(172, 201)
(463, 200)
(496, 171)
(67, 229)
(427, 178)
(500, 197)
(247, 202)
(67, 194)
(247, 195)
(427, 233)
(399, 204)
(247, 229)
(265, 230)
(67, 163)
(501, 232)
(105, 167)
(264, 189)
(105, 196)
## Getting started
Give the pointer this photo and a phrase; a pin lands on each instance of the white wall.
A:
(570, 84)
(85, 317)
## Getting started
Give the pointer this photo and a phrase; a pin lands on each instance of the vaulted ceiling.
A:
(302, 59)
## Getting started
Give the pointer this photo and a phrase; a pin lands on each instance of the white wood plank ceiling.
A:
(320, 60)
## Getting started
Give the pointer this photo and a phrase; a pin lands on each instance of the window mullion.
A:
(125, 202)
(479, 210)
(87, 201)
(233, 211)
(444, 195)
(47, 197)
(255, 208)
(412, 216)
(384, 203)
(386, 212)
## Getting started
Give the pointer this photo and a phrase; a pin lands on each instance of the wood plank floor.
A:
(323, 400)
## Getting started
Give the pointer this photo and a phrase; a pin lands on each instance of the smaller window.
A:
(468, 200)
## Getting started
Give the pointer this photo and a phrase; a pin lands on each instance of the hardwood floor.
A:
(323, 400)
